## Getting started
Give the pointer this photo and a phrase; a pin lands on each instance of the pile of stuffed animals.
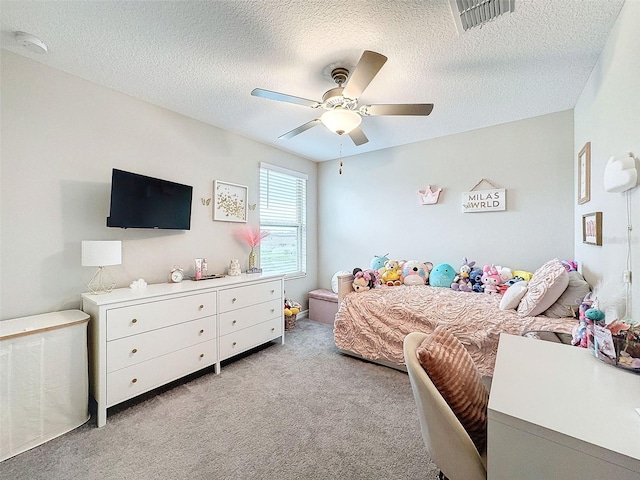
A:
(468, 278)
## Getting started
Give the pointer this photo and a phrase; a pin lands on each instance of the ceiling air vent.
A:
(472, 13)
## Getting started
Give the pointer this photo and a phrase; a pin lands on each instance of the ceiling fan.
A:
(342, 114)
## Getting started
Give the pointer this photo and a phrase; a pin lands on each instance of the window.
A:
(283, 213)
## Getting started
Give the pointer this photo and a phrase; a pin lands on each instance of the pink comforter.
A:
(373, 324)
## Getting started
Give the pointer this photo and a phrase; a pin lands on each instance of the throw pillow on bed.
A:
(545, 287)
(513, 295)
(452, 371)
(567, 304)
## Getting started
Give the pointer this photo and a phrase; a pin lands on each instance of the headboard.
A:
(344, 286)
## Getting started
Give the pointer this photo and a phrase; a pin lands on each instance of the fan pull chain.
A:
(340, 159)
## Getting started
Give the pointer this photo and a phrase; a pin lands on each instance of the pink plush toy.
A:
(491, 279)
(364, 280)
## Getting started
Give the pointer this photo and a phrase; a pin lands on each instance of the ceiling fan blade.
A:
(397, 109)
(283, 97)
(300, 129)
(358, 136)
(368, 66)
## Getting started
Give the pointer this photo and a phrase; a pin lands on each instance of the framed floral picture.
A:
(592, 228)
(230, 201)
(584, 174)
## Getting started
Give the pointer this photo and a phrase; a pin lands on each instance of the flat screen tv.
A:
(138, 201)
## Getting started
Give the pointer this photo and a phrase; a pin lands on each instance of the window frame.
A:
(285, 222)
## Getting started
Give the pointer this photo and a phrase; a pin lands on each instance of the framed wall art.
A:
(230, 201)
(584, 174)
(592, 228)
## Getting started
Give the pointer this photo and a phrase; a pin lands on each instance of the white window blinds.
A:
(283, 213)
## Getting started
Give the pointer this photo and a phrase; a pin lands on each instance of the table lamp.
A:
(101, 253)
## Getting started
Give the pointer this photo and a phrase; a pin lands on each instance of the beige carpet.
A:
(294, 411)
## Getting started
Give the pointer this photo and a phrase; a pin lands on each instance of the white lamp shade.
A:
(100, 253)
(340, 120)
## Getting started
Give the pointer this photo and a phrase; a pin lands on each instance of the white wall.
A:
(608, 115)
(372, 208)
(61, 136)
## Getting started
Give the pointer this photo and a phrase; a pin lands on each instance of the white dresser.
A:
(144, 338)
(556, 412)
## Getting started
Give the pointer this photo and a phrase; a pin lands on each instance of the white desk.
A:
(557, 412)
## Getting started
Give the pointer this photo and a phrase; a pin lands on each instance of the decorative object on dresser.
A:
(251, 236)
(177, 274)
(99, 253)
(142, 340)
(234, 268)
(230, 201)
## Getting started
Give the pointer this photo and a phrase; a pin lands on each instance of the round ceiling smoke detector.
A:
(30, 42)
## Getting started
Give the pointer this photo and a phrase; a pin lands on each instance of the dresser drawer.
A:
(240, 297)
(128, 351)
(125, 321)
(238, 342)
(131, 381)
(246, 317)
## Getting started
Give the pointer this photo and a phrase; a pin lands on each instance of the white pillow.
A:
(513, 295)
(334, 279)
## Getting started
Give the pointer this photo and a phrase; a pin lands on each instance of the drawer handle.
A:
(273, 291)
(234, 322)
(200, 307)
(234, 344)
(273, 310)
(135, 350)
(233, 299)
(202, 355)
(134, 320)
(201, 332)
(273, 329)
(134, 380)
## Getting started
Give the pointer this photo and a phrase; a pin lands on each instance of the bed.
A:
(372, 324)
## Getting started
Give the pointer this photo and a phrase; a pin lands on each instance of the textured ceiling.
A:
(203, 58)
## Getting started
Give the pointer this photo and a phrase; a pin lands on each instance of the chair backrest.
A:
(448, 443)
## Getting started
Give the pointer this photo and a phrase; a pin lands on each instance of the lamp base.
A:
(102, 282)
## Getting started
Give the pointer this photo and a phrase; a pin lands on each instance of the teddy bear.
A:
(364, 280)
(392, 273)
(461, 280)
(415, 272)
(491, 279)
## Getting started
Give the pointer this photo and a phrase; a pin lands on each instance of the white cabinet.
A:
(142, 339)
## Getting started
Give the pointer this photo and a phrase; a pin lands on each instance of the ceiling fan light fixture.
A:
(340, 120)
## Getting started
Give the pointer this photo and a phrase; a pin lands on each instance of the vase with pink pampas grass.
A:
(252, 236)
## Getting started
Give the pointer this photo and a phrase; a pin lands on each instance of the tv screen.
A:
(138, 201)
